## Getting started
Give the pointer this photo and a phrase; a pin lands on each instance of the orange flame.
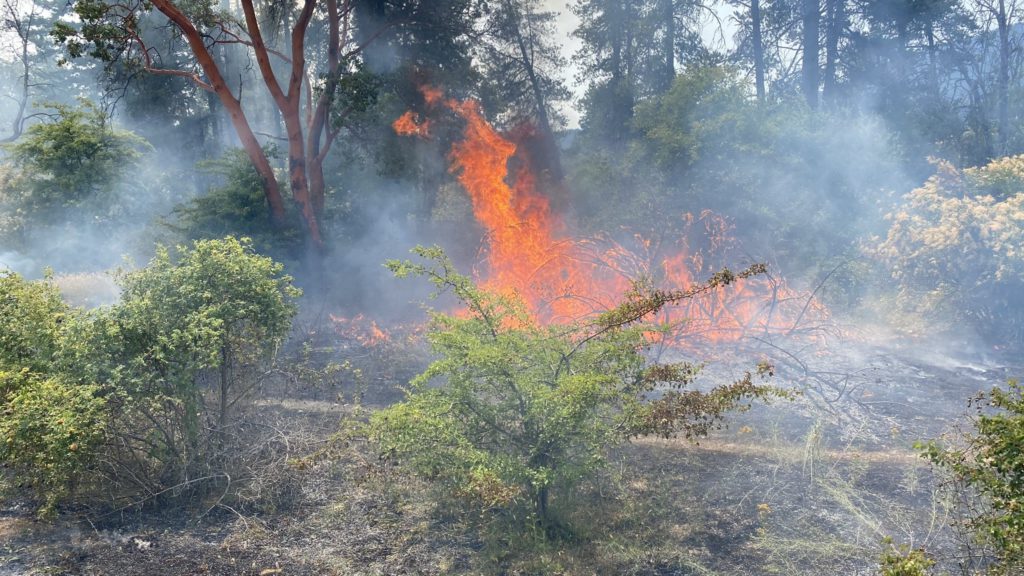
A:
(530, 254)
(409, 124)
(361, 329)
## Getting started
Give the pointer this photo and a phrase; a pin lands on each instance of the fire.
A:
(408, 125)
(530, 253)
(361, 329)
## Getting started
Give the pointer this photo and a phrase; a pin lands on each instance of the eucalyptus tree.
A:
(308, 54)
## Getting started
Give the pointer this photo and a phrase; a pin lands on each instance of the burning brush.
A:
(530, 253)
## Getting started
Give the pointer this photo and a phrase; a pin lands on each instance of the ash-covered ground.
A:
(786, 488)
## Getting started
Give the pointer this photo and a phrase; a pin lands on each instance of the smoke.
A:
(386, 228)
(18, 263)
(803, 189)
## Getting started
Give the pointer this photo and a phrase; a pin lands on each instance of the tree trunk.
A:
(811, 16)
(933, 67)
(225, 388)
(1002, 20)
(23, 29)
(541, 504)
(758, 48)
(835, 20)
(234, 107)
(297, 176)
(19, 119)
(615, 38)
(903, 45)
(551, 156)
(668, 43)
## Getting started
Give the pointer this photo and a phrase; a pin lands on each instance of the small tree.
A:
(235, 207)
(72, 158)
(512, 412)
(69, 165)
(220, 307)
(989, 463)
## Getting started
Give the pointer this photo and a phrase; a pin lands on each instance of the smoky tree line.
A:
(289, 81)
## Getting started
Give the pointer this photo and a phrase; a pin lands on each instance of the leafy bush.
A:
(236, 206)
(51, 431)
(513, 413)
(65, 182)
(68, 162)
(957, 243)
(989, 462)
(904, 561)
(187, 344)
(140, 397)
(50, 425)
(30, 318)
(220, 305)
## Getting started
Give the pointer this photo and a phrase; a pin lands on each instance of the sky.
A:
(567, 22)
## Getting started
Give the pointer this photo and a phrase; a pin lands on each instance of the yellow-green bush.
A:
(904, 561)
(51, 432)
(512, 414)
(958, 243)
(120, 394)
(988, 462)
(50, 425)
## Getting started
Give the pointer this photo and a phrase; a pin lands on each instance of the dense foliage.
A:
(234, 206)
(513, 413)
(957, 241)
(791, 140)
(52, 424)
(65, 166)
(988, 462)
(122, 399)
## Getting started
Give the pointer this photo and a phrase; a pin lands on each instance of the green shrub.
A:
(513, 414)
(235, 206)
(139, 396)
(51, 431)
(215, 314)
(904, 561)
(51, 425)
(69, 164)
(30, 318)
(990, 463)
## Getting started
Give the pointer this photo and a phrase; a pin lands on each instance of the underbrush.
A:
(764, 497)
(746, 501)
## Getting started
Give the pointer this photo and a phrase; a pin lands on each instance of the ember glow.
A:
(530, 253)
(363, 330)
